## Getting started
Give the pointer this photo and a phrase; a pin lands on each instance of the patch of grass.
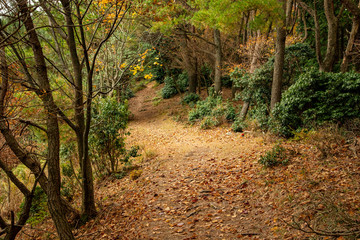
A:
(156, 100)
(276, 156)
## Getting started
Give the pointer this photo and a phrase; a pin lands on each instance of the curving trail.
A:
(196, 184)
(208, 184)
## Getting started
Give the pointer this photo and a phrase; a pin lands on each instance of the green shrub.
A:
(226, 81)
(175, 83)
(67, 155)
(205, 108)
(183, 81)
(190, 98)
(169, 88)
(317, 98)
(238, 125)
(276, 156)
(209, 122)
(107, 135)
(256, 88)
(230, 113)
(211, 112)
(126, 94)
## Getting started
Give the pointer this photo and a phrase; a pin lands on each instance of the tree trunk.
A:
(218, 63)
(279, 61)
(253, 66)
(306, 34)
(350, 44)
(332, 21)
(193, 79)
(54, 196)
(88, 198)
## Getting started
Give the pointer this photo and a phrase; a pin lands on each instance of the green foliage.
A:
(68, 187)
(183, 81)
(107, 135)
(190, 98)
(205, 76)
(169, 90)
(276, 156)
(238, 125)
(207, 107)
(230, 113)
(209, 122)
(224, 14)
(317, 98)
(67, 155)
(126, 94)
(226, 81)
(256, 87)
(211, 112)
(39, 209)
(132, 153)
(174, 84)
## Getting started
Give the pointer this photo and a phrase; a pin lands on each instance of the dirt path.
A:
(196, 184)
(208, 184)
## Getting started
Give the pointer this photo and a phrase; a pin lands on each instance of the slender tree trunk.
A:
(218, 63)
(189, 61)
(54, 197)
(306, 34)
(193, 79)
(350, 44)
(279, 61)
(332, 21)
(245, 34)
(88, 198)
(253, 66)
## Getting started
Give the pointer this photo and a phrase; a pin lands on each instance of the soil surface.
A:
(208, 184)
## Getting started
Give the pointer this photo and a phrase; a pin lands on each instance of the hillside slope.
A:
(208, 184)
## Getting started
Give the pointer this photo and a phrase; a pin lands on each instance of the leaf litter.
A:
(208, 184)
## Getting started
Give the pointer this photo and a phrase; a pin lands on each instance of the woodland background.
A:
(273, 88)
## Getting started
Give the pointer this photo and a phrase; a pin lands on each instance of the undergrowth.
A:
(276, 156)
(212, 112)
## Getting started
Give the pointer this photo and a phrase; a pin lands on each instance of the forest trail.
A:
(208, 184)
(196, 181)
(195, 184)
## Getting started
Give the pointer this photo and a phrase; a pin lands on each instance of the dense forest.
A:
(181, 119)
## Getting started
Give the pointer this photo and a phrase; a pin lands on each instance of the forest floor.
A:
(208, 184)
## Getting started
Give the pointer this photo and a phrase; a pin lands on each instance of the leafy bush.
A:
(209, 122)
(169, 88)
(183, 81)
(190, 98)
(317, 98)
(107, 136)
(174, 84)
(126, 94)
(226, 81)
(211, 112)
(256, 87)
(276, 156)
(238, 125)
(204, 108)
(230, 113)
